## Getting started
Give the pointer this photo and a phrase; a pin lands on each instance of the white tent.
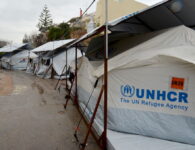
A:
(20, 60)
(59, 61)
(56, 63)
(52, 60)
(151, 89)
(12, 47)
(16, 56)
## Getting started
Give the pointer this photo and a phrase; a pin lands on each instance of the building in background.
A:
(116, 9)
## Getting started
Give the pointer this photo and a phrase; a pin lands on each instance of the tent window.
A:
(47, 63)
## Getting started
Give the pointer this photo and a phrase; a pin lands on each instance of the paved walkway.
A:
(32, 116)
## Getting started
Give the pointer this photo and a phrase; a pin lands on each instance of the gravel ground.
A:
(32, 116)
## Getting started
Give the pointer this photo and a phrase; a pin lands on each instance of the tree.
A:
(45, 20)
(59, 32)
(35, 39)
(26, 39)
(65, 29)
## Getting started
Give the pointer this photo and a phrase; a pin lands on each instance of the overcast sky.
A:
(18, 17)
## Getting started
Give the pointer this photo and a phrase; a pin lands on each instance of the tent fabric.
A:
(124, 141)
(5, 62)
(59, 60)
(118, 43)
(23, 54)
(31, 65)
(50, 46)
(151, 87)
(42, 71)
(20, 60)
(96, 45)
(17, 61)
(12, 47)
(162, 45)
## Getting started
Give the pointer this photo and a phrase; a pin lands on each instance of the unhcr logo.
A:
(127, 90)
(153, 94)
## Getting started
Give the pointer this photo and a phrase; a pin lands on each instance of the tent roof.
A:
(95, 50)
(177, 42)
(25, 54)
(166, 14)
(53, 45)
(12, 47)
(50, 54)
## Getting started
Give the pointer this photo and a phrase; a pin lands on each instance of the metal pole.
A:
(59, 78)
(76, 94)
(66, 69)
(10, 64)
(28, 59)
(52, 70)
(52, 57)
(92, 119)
(105, 77)
(106, 24)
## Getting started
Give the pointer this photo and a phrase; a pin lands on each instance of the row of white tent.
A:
(151, 78)
(44, 61)
(51, 62)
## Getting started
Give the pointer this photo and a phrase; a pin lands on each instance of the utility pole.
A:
(105, 77)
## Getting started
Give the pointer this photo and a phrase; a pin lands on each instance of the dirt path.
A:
(32, 116)
(6, 84)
